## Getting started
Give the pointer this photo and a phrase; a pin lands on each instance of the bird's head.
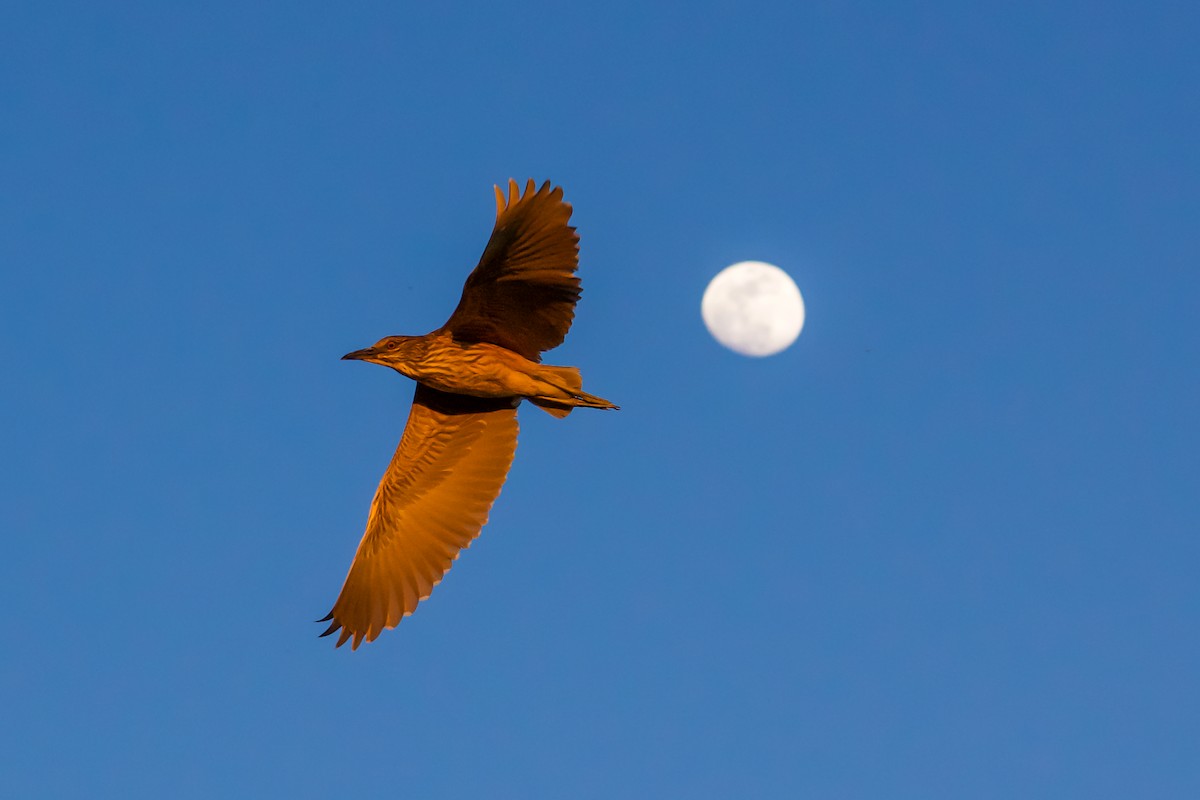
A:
(390, 351)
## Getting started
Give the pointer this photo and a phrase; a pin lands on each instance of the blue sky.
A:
(944, 546)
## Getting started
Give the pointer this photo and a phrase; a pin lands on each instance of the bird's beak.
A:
(360, 355)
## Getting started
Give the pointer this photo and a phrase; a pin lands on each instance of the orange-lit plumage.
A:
(461, 435)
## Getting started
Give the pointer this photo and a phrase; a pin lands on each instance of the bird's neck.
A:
(408, 354)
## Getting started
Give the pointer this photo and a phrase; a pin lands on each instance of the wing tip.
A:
(515, 195)
(370, 634)
(333, 626)
(346, 633)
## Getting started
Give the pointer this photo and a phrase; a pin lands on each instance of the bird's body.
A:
(461, 435)
(480, 369)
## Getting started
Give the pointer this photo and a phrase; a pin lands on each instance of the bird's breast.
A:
(476, 369)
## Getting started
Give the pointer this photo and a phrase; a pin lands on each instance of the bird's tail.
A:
(569, 385)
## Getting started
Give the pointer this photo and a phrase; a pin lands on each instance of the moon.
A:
(753, 308)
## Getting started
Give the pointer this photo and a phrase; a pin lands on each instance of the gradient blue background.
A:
(945, 546)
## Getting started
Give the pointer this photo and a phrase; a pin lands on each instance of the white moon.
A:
(753, 308)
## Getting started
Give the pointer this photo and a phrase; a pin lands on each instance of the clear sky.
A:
(944, 546)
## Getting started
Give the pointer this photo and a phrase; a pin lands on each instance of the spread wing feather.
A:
(432, 502)
(522, 294)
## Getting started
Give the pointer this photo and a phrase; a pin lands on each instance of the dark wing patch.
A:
(522, 294)
(432, 502)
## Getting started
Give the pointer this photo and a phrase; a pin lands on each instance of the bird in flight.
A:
(461, 435)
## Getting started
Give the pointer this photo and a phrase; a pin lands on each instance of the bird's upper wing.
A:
(432, 501)
(522, 293)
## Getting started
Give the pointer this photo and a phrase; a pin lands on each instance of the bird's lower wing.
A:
(433, 500)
